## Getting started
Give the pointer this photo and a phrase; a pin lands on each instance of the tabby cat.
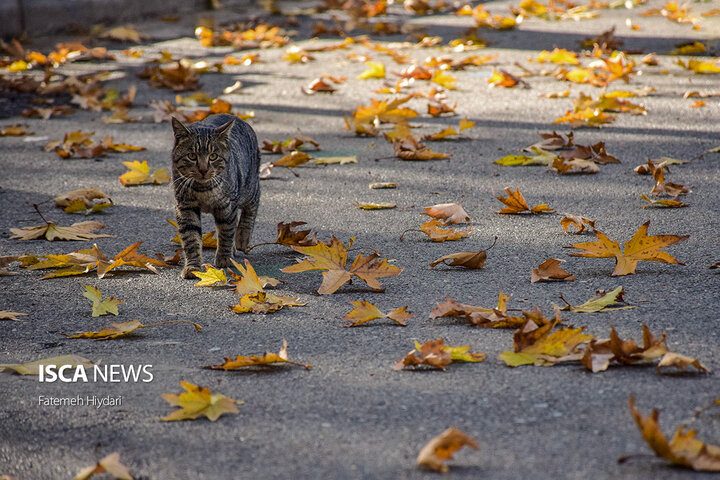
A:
(215, 166)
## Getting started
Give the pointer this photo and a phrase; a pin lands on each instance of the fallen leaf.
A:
(641, 247)
(662, 203)
(450, 213)
(516, 204)
(110, 465)
(7, 315)
(264, 303)
(14, 131)
(332, 259)
(51, 232)
(33, 368)
(582, 224)
(293, 159)
(441, 448)
(374, 70)
(683, 449)
(471, 260)
(210, 277)
(587, 117)
(542, 158)
(197, 401)
(121, 329)
(87, 200)
(335, 160)
(365, 311)
(436, 354)
(432, 228)
(600, 353)
(125, 33)
(559, 56)
(700, 66)
(681, 362)
(100, 306)
(381, 185)
(375, 206)
(286, 236)
(539, 345)
(208, 238)
(178, 76)
(550, 269)
(574, 166)
(409, 148)
(267, 358)
(501, 78)
(248, 281)
(602, 302)
(139, 172)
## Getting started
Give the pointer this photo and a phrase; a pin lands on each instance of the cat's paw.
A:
(222, 262)
(187, 272)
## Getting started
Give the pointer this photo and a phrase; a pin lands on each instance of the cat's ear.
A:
(224, 130)
(179, 129)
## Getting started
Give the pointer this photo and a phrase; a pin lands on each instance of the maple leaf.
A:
(139, 172)
(541, 157)
(210, 277)
(292, 159)
(100, 306)
(248, 281)
(441, 448)
(602, 302)
(121, 329)
(550, 269)
(87, 200)
(473, 260)
(179, 76)
(33, 368)
(574, 166)
(582, 224)
(264, 303)
(516, 204)
(700, 66)
(681, 362)
(501, 78)
(487, 317)
(587, 117)
(444, 79)
(436, 354)
(683, 449)
(333, 259)
(600, 353)
(539, 345)
(451, 213)
(365, 311)
(641, 247)
(8, 315)
(286, 236)
(559, 56)
(267, 358)
(51, 232)
(198, 401)
(432, 228)
(408, 148)
(110, 465)
(374, 70)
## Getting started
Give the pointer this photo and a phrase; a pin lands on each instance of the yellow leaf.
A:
(197, 401)
(539, 345)
(515, 203)
(110, 465)
(267, 358)
(375, 206)
(442, 448)
(51, 232)
(559, 56)
(33, 368)
(465, 124)
(210, 277)
(641, 247)
(374, 70)
(100, 306)
(444, 79)
(365, 311)
(264, 303)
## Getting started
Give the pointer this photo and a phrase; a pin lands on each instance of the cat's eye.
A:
(192, 156)
(212, 156)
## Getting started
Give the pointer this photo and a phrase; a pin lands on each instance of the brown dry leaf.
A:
(318, 85)
(432, 228)
(641, 247)
(451, 213)
(365, 311)
(661, 186)
(124, 33)
(49, 112)
(550, 269)
(488, 317)
(289, 145)
(14, 131)
(293, 159)
(441, 448)
(267, 358)
(683, 449)
(286, 236)
(375, 205)
(662, 203)
(332, 258)
(87, 200)
(437, 109)
(452, 308)
(8, 315)
(51, 232)
(264, 303)
(516, 204)
(33, 368)
(554, 141)
(501, 78)
(197, 401)
(587, 117)
(110, 465)
(582, 224)
(599, 353)
(122, 329)
(409, 148)
(471, 260)
(179, 76)
(574, 166)
(681, 362)
(436, 354)
(540, 345)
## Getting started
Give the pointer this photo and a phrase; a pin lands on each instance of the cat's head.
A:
(201, 152)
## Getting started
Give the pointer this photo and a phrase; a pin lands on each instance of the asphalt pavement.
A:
(352, 415)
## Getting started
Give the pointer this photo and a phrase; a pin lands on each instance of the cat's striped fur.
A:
(215, 166)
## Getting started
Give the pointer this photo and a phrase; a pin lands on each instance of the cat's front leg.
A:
(188, 220)
(225, 223)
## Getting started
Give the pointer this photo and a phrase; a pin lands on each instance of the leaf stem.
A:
(247, 250)
(37, 209)
(409, 230)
